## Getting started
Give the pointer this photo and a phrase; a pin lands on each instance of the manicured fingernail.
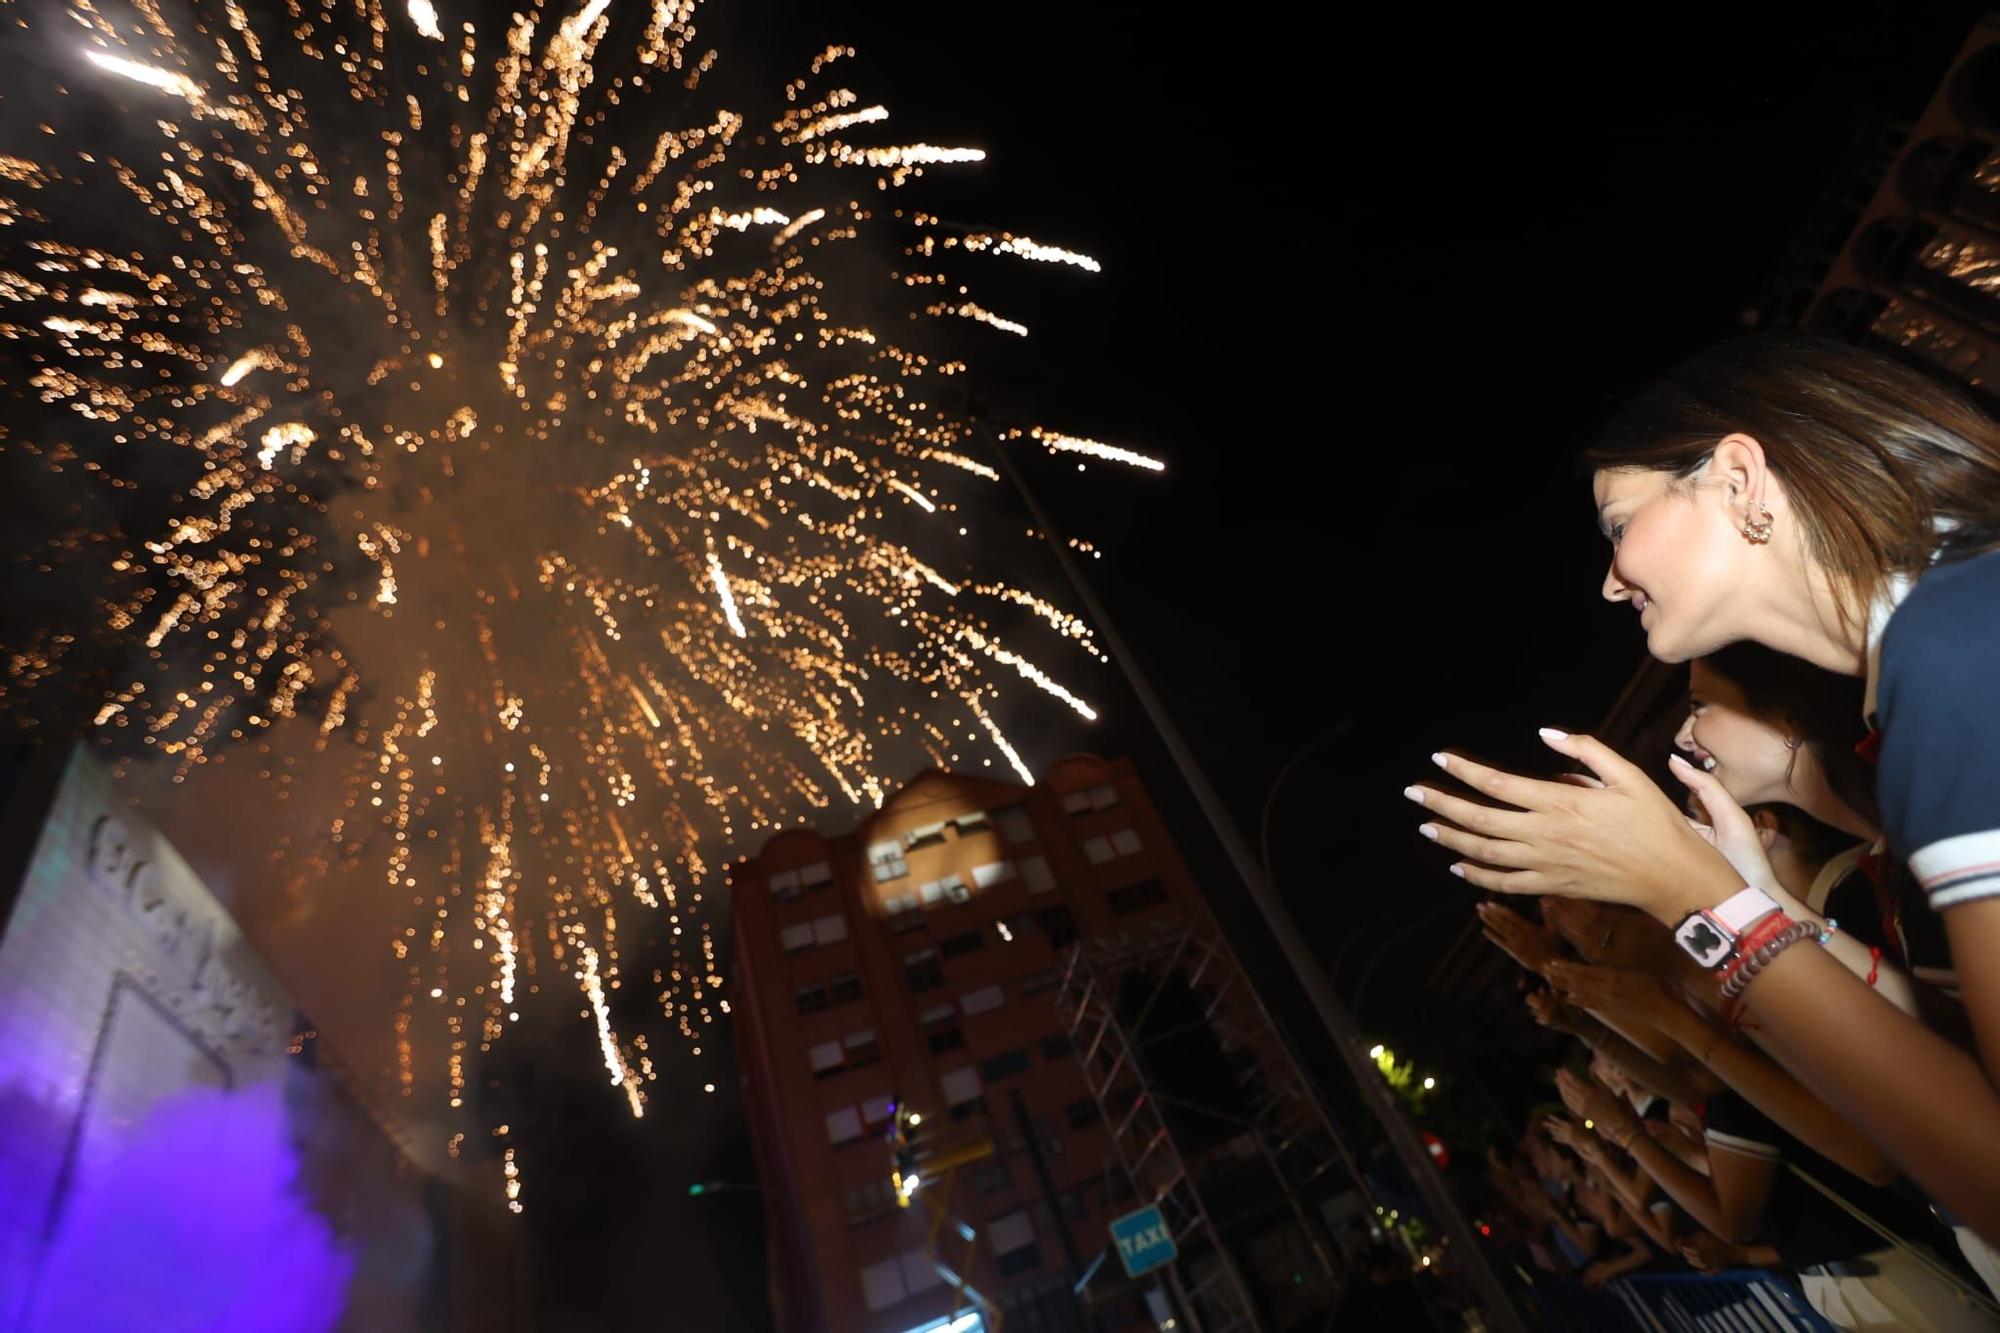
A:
(1439, 758)
(1676, 759)
(1429, 831)
(1458, 870)
(1414, 793)
(1551, 734)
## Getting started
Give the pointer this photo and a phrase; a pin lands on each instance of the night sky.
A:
(1368, 287)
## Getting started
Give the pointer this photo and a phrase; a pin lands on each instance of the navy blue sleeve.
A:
(1938, 704)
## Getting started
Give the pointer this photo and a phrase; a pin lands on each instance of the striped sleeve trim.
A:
(1746, 1147)
(1959, 870)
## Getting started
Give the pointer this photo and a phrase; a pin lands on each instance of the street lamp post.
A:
(1346, 1036)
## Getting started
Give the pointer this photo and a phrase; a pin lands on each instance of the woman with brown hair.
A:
(1843, 508)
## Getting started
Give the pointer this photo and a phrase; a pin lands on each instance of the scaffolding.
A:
(1288, 1130)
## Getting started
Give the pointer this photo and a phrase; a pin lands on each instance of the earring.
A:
(1757, 526)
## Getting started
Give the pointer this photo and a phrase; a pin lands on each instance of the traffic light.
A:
(903, 1134)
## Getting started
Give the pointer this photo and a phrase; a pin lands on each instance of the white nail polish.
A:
(1551, 734)
(1429, 831)
(1414, 793)
(1439, 758)
(1459, 871)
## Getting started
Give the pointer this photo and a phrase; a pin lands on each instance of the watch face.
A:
(1703, 942)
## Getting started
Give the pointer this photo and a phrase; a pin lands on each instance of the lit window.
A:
(1126, 842)
(829, 929)
(797, 937)
(886, 860)
(1010, 1232)
(960, 1085)
(1076, 803)
(981, 1000)
(882, 1284)
(1103, 796)
(973, 822)
(785, 885)
(816, 874)
(826, 1057)
(844, 1125)
(995, 872)
(924, 835)
(919, 1271)
(1098, 851)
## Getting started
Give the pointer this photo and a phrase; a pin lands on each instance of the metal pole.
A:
(1346, 1036)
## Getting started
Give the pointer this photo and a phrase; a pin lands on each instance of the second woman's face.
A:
(1748, 755)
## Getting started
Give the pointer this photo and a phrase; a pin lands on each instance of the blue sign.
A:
(1143, 1241)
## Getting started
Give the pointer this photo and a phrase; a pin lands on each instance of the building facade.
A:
(914, 964)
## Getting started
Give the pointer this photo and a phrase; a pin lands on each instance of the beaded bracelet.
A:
(1760, 958)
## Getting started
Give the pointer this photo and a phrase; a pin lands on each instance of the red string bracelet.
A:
(1874, 964)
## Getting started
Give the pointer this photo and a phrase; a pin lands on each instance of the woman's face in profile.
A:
(1749, 756)
(1674, 558)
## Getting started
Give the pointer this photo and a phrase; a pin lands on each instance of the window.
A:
(1015, 825)
(812, 998)
(814, 875)
(1010, 1232)
(797, 937)
(973, 822)
(947, 1039)
(960, 1086)
(938, 1013)
(785, 886)
(862, 1048)
(869, 1200)
(875, 1112)
(966, 1110)
(1076, 803)
(1097, 851)
(1103, 796)
(981, 1000)
(919, 1271)
(1005, 1065)
(1126, 842)
(924, 835)
(1133, 897)
(1019, 1261)
(1058, 925)
(843, 988)
(902, 913)
(826, 1059)
(994, 872)
(1083, 1113)
(923, 971)
(829, 929)
(1037, 982)
(1055, 1046)
(956, 946)
(885, 859)
(990, 1176)
(949, 889)
(843, 1126)
(1035, 873)
(882, 1284)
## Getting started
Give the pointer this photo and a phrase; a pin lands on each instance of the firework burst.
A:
(361, 365)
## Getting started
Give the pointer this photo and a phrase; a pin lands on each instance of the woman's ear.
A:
(1738, 462)
(1768, 828)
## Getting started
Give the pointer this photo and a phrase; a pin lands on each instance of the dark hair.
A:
(1821, 708)
(1871, 451)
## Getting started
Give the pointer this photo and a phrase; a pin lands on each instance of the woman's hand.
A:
(1730, 829)
(1707, 1252)
(1622, 842)
(1598, 1107)
(1531, 945)
(1550, 1011)
(1574, 1137)
(1627, 998)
